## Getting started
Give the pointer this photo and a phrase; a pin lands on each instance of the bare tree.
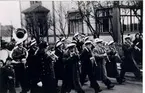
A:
(138, 5)
(60, 21)
(84, 8)
(89, 9)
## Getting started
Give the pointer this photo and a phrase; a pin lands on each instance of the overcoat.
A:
(59, 65)
(128, 64)
(71, 71)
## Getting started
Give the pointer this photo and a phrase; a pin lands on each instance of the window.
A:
(75, 26)
(105, 25)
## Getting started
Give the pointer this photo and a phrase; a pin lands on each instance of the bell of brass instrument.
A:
(20, 35)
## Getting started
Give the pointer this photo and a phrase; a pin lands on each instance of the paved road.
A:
(130, 86)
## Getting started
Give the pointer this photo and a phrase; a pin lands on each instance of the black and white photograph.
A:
(71, 46)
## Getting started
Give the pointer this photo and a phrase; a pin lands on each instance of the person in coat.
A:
(45, 69)
(129, 64)
(7, 77)
(101, 56)
(138, 54)
(33, 70)
(71, 75)
(79, 42)
(19, 55)
(111, 66)
(59, 65)
(87, 67)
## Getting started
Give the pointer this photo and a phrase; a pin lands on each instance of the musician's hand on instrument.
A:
(39, 84)
(14, 62)
(92, 58)
(10, 77)
(137, 48)
(24, 60)
(105, 54)
(72, 54)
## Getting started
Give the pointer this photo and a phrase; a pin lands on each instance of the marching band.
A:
(38, 69)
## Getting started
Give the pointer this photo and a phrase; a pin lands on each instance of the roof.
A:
(6, 30)
(36, 8)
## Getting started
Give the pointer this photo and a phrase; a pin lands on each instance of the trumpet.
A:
(52, 55)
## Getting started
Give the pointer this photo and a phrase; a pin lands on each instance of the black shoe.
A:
(123, 80)
(110, 86)
(23, 92)
(17, 85)
(119, 80)
(81, 91)
(98, 90)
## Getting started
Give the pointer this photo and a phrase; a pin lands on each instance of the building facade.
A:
(64, 21)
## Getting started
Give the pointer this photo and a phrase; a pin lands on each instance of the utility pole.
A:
(0, 36)
(11, 29)
(53, 7)
(20, 14)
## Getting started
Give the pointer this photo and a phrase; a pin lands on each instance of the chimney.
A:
(32, 3)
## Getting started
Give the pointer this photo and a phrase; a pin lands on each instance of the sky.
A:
(10, 13)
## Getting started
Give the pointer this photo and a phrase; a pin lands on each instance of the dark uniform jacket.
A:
(59, 65)
(46, 72)
(19, 53)
(33, 65)
(79, 45)
(138, 54)
(71, 70)
(129, 64)
(45, 64)
(111, 67)
(85, 58)
(7, 79)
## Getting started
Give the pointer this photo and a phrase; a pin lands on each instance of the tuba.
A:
(20, 35)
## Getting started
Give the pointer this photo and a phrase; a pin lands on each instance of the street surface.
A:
(130, 86)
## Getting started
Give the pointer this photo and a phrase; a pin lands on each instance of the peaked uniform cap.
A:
(97, 40)
(88, 42)
(70, 45)
(58, 44)
(111, 42)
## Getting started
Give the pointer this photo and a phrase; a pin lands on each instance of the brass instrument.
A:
(105, 54)
(19, 36)
(52, 55)
(135, 46)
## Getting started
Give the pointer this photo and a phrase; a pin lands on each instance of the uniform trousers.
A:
(21, 75)
(102, 65)
(87, 70)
